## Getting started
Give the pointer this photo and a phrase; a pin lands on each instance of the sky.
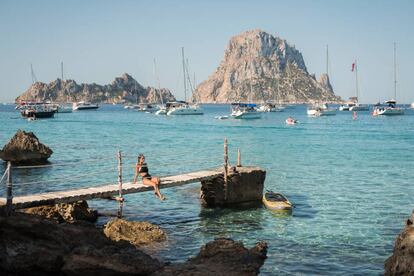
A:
(100, 40)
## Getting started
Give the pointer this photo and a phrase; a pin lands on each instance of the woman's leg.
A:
(154, 182)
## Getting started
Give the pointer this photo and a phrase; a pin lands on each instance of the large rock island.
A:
(122, 89)
(273, 68)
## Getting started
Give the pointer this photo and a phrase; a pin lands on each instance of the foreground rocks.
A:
(134, 232)
(402, 260)
(245, 184)
(65, 212)
(25, 148)
(222, 257)
(32, 245)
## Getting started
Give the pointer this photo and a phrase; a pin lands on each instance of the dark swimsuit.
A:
(144, 169)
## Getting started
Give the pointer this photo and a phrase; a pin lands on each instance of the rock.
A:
(402, 260)
(25, 148)
(32, 245)
(65, 212)
(222, 257)
(271, 67)
(136, 233)
(122, 89)
(245, 184)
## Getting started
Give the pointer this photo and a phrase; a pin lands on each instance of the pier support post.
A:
(226, 168)
(120, 198)
(9, 202)
(238, 158)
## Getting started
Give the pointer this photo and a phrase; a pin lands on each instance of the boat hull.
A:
(390, 111)
(247, 115)
(86, 107)
(359, 108)
(38, 114)
(185, 111)
(277, 205)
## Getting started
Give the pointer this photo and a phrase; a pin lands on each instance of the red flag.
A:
(353, 67)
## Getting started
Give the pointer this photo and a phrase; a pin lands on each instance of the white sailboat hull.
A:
(317, 113)
(246, 115)
(359, 108)
(185, 110)
(390, 111)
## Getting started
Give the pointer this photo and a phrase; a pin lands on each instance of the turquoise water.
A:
(350, 180)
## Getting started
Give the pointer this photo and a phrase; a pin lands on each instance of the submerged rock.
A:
(32, 245)
(136, 233)
(222, 257)
(25, 148)
(402, 260)
(65, 212)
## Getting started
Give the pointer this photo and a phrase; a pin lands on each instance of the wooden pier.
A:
(106, 191)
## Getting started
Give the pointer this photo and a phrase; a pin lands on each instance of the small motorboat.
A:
(291, 121)
(276, 201)
(221, 117)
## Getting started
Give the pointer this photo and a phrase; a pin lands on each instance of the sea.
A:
(350, 180)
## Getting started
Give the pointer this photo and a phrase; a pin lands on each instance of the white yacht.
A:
(412, 105)
(321, 110)
(84, 106)
(390, 109)
(183, 108)
(145, 107)
(359, 107)
(244, 111)
(269, 107)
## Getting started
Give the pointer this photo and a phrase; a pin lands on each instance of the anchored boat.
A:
(244, 111)
(321, 110)
(276, 201)
(84, 106)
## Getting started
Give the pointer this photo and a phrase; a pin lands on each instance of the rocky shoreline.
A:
(56, 240)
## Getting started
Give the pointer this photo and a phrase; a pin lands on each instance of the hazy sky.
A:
(99, 40)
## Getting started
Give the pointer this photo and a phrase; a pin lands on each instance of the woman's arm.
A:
(137, 168)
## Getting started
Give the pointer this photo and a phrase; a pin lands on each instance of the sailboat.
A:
(162, 108)
(183, 107)
(245, 110)
(391, 108)
(356, 105)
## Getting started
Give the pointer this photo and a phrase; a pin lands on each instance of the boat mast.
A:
(395, 71)
(61, 69)
(356, 81)
(327, 60)
(158, 80)
(33, 74)
(185, 81)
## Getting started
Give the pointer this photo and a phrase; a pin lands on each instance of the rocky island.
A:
(122, 89)
(274, 68)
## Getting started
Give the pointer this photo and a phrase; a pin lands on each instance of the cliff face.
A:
(124, 88)
(267, 66)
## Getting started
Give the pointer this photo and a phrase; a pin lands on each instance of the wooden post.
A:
(238, 158)
(226, 168)
(9, 202)
(119, 198)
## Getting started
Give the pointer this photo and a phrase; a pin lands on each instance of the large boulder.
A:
(222, 257)
(25, 148)
(402, 260)
(244, 185)
(135, 232)
(32, 245)
(65, 212)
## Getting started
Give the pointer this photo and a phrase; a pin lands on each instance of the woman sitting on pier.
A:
(141, 169)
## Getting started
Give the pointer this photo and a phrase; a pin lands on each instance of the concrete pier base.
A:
(245, 184)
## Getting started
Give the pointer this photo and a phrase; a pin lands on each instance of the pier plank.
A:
(106, 191)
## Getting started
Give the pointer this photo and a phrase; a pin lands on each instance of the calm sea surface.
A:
(351, 181)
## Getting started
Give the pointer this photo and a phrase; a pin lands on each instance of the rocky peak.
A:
(123, 88)
(260, 67)
(325, 82)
